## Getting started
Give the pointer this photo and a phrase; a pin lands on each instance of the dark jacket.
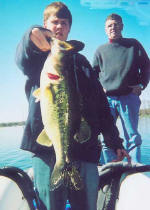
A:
(120, 64)
(95, 107)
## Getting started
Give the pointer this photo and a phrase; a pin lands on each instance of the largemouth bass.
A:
(61, 112)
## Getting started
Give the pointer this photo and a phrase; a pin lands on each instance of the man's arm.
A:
(144, 66)
(96, 68)
(32, 50)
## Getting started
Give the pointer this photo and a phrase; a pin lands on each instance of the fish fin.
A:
(75, 179)
(43, 139)
(57, 178)
(36, 94)
(84, 133)
(68, 176)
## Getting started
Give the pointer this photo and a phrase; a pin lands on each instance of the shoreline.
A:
(10, 124)
(143, 113)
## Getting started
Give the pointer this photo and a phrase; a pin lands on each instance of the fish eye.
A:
(63, 45)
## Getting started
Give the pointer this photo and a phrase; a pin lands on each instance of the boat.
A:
(16, 190)
(124, 186)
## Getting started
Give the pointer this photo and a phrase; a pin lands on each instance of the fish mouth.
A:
(53, 76)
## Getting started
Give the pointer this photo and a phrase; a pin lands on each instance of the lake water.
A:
(11, 155)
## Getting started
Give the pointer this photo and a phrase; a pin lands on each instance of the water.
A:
(11, 155)
(144, 130)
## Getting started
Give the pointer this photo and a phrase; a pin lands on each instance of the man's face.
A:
(60, 27)
(113, 29)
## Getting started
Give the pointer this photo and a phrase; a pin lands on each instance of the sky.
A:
(16, 16)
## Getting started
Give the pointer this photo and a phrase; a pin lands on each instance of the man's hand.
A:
(136, 89)
(38, 37)
(121, 154)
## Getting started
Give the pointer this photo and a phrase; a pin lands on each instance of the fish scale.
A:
(61, 102)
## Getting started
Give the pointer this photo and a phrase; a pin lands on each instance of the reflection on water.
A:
(11, 154)
(144, 130)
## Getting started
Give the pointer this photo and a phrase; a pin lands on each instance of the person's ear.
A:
(45, 24)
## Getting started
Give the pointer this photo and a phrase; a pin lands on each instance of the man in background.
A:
(122, 67)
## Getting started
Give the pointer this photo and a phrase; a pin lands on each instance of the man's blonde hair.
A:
(114, 16)
(58, 9)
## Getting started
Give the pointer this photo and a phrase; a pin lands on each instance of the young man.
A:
(122, 67)
(31, 54)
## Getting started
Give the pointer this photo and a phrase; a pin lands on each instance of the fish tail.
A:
(69, 176)
(72, 178)
(75, 179)
(57, 178)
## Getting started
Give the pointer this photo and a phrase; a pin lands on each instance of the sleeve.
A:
(144, 66)
(97, 112)
(28, 56)
(95, 64)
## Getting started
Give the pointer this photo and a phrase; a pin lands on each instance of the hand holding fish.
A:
(39, 38)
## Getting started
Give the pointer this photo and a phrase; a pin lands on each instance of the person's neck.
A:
(115, 40)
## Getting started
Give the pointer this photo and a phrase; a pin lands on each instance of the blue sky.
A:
(16, 16)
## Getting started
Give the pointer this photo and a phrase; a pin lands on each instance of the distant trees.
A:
(9, 124)
(143, 113)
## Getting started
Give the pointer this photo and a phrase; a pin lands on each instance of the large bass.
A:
(61, 112)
